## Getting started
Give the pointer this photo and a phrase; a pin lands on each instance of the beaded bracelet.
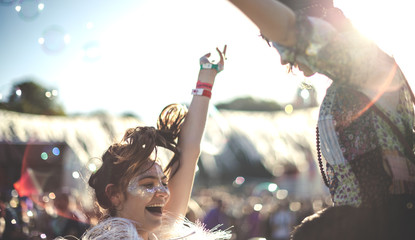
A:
(201, 92)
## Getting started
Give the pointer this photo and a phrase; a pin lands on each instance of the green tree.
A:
(28, 96)
(250, 104)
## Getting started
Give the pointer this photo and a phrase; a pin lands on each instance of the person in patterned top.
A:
(366, 119)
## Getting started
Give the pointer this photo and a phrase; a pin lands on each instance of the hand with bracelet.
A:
(207, 74)
(206, 64)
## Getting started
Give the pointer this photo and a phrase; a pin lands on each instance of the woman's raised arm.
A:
(190, 137)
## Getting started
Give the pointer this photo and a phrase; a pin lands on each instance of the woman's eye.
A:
(150, 185)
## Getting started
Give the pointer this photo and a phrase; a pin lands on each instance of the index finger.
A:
(221, 55)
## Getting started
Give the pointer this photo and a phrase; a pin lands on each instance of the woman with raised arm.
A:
(145, 197)
(366, 119)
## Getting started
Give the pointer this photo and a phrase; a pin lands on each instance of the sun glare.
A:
(386, 23)
(372, 24)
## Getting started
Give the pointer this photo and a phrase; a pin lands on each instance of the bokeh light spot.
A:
(258, 207)
(14, 203)
(92, 167)
(15, 194)
(44, 156)
(289, 108)
(75, 175)
(238, 181)
(282, 194)
(29, 213)
(317, 205)
(305, 94)
(56, 151)
(41, 40)
(272, 187)
(295, 206)
(52, 195)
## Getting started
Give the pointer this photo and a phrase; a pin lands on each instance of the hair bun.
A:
(170, 121)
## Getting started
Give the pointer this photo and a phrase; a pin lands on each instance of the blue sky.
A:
(140, 55)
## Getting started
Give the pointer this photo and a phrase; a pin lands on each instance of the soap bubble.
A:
(54, 39)
(29, 9)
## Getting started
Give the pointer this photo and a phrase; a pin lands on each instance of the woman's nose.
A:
(162, 191)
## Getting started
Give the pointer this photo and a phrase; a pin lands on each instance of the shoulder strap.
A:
(408, 149)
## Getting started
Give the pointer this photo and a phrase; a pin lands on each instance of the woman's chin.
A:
(309, 74)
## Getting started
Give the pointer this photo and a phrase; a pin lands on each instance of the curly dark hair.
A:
(122, 161)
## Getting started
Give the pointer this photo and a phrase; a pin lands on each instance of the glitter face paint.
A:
(153, 183)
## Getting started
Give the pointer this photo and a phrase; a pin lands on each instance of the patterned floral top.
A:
(365, 161)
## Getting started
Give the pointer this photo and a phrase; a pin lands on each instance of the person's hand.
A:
(204, 61)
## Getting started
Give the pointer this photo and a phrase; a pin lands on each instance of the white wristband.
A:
(201, 92)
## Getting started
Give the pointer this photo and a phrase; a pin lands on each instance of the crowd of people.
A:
(245, 213)
(24, 218)
(253, 215)
(364, 133)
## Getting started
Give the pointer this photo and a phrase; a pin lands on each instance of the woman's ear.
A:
(113, 195)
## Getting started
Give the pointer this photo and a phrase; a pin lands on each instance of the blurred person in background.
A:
(143, 196)
(216, 217)
(282, 222)
(12, 219)
(251, 226)
(66, 222)
(366, 118)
